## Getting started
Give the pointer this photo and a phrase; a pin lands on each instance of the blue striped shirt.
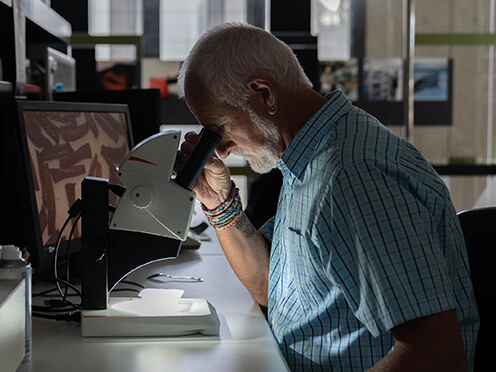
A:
(365, 238)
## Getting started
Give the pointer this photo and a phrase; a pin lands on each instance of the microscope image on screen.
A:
(64, 148)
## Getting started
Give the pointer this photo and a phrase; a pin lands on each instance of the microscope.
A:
(151, 220)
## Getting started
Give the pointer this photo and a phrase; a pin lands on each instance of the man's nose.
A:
(225, 148)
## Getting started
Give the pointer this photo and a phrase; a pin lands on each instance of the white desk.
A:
(245, 342)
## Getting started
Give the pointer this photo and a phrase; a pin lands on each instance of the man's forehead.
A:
(209, 114)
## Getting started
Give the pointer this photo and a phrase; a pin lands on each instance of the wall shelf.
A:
(43, 27)
(47, 19)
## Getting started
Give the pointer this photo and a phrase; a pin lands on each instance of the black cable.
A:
(55, 258)
(72, 286)
(67, 317)
(54, 305)
(59, 239)
(54, 302)
(74, 211)
(48, 295)
(53, 308)
(68, 252)
(45, 316)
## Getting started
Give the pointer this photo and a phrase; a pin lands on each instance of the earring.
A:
(272, 108)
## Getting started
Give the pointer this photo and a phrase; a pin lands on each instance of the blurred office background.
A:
(353, 45)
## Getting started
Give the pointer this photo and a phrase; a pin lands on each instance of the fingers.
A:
(181, 159)
(187, 147)
(214, 183)
(192, 137)
(215, 165)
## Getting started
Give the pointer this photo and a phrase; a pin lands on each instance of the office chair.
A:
(479, 229)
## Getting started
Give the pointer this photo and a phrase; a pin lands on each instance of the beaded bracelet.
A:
(228, 213)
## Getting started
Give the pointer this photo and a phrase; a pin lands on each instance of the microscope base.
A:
(123, 318)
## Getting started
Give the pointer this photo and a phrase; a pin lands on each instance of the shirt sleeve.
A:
(384, 250)
(267, 230)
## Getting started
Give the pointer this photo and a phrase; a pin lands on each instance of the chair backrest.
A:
(479, 230)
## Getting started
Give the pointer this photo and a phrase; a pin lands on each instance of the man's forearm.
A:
(432, 343)
(248, 253)
(405, 360)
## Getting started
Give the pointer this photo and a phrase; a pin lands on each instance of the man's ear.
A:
(263, 92)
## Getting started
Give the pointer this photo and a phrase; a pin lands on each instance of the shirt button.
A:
(290, 181)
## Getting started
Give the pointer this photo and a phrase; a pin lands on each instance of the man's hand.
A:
(432, 343)
(214, 183)
(247, 251)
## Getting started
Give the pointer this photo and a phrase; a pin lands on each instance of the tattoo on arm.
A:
(245, 225)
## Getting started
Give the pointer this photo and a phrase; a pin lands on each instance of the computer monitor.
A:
(59, 145)
(144, 106)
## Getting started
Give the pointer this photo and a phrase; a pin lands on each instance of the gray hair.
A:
(228, 55)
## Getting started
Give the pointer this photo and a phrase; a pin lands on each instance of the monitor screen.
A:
(61, 144)
(144, 106)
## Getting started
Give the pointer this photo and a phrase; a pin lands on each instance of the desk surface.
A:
(245, 342)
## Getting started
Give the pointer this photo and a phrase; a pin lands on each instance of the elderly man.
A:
(364, 266)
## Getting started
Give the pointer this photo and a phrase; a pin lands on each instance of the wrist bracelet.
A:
(228, 213)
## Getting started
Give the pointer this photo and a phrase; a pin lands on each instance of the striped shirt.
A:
(365, 238)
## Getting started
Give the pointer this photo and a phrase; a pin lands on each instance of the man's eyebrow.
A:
(213, 125)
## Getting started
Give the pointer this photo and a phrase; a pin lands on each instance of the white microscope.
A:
(150, 222)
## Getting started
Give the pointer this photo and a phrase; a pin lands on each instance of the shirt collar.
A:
(303, 147)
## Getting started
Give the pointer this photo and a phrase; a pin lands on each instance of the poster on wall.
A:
(383, 79)
(431, 79)
(340, 75)
(381, 90)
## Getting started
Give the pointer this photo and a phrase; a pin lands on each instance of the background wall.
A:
(466, 138)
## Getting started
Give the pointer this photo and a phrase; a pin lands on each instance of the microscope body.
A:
(151, 219)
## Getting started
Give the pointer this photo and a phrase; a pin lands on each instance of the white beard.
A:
(265, 158)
